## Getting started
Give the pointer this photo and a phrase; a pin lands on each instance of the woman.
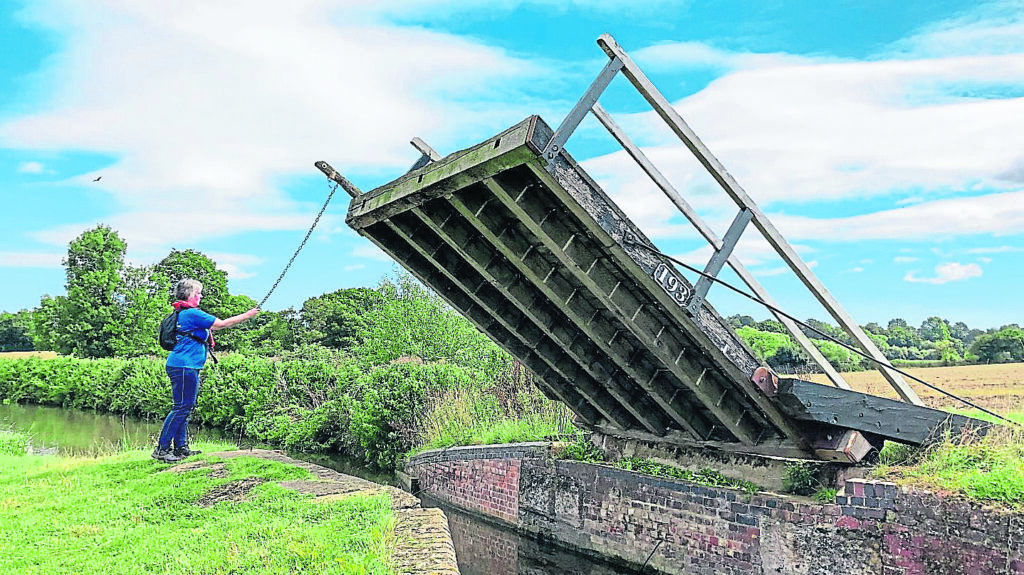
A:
(183, 365)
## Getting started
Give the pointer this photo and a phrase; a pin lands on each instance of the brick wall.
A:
(871, 528)
(483, 480)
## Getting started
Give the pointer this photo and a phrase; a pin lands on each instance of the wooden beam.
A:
(476, 289)
(896, 420)
(775, 447)
(712, 397)
(483, 264)
(675, 122)
(705, 230)
(617, 254)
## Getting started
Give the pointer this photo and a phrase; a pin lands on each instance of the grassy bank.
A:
(121, 513)
(988, 468)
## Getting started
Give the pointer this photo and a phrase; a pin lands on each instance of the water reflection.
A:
(53, 430)
(486, 549)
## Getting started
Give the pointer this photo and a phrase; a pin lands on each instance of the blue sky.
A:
(885, 140)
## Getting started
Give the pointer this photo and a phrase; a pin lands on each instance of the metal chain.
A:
(304, 240)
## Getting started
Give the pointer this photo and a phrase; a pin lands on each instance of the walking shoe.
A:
(184, 452)
(165, 455)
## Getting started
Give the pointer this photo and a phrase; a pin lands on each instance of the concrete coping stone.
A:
(531, 450)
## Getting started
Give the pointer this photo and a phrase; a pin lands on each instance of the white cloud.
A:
(31, 168)
(947, 272)
(939, 114)
(990, 28)
(371, 252)
(995, 250)
(30, 260)
(236, 265)
(752, 250)
(857, 269)
(214, 102)
(985, 260)
(354, 267)
(998, 214)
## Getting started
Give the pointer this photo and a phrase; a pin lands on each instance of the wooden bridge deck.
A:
(550, 268)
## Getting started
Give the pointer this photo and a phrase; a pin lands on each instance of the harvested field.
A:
(27, 354)
(998, 387)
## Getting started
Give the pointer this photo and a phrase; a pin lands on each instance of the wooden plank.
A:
(675, 122)
(705, 230)
(648, 419)
(435, 179)
(903, 422)
(775, 447)
(617, 252)
(708, 396)
(476, 289)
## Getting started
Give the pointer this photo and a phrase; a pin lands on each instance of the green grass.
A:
(986, 468)
(500, 414)
(13, 443)
(1015, 416)
(120, 514)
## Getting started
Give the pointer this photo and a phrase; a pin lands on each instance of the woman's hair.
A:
(186, 288)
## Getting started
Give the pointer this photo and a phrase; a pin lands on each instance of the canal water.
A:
(482, 548)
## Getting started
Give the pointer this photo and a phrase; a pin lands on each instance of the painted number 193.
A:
(672, 284)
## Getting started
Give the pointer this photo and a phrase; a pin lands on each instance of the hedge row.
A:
(314, 399)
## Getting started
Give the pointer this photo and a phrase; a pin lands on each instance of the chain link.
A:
(304, 240)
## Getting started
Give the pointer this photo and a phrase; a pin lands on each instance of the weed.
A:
(986, 467)
(800, 478)
(706, 476)
(580, 449)
(825, 495)
(13, 443)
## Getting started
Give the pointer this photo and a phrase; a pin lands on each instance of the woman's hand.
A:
(234, 320)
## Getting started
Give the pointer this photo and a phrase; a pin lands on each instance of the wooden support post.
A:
(339, 179)
(671, 117)
(721, 255)
(579, 111)
(705, 230)
(425, 149)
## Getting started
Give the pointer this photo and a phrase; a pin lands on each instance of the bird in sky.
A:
(98, 178)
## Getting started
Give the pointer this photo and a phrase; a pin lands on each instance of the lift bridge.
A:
(517, 237)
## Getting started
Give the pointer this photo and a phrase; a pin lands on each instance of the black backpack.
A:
(169, 333)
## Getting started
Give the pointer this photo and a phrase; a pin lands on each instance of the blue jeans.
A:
(184, 391)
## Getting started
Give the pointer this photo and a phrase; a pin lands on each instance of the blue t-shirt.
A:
(189, 352)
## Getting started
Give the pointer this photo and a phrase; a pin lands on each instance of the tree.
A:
(764, 344)
(737, 321)
(934, 329)
(94, 267)
(45, 324)
(874, 328)
(179, 265)
(1003, 346)
(141, 306)
(336, 319)
(16, 331)
(771, 325)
